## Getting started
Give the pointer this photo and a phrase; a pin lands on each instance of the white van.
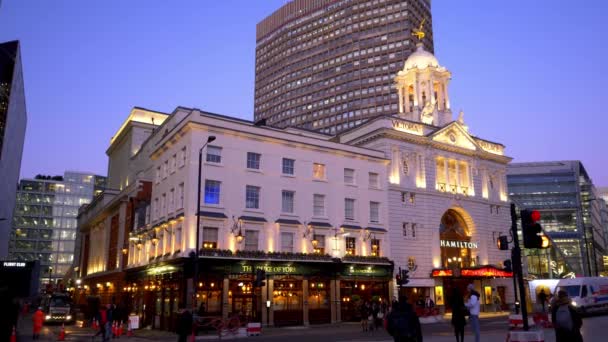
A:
(587, 294)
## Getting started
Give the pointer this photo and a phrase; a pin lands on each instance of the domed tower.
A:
(422, 86)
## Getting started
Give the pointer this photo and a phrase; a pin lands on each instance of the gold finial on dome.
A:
(419, 33)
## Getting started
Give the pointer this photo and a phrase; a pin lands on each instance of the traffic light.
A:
(405, 278)
(260, 275)
(503, 243)
(532, 231)
(508, 265)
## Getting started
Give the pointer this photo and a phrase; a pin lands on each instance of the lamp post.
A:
(198, 216)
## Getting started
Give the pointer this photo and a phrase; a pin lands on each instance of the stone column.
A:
(447, 98)
(225, 303)
(270, 285)
(446, 171)
(305, 301)
(338, 302)
(457, 165)
(400, 91)
(416, 92)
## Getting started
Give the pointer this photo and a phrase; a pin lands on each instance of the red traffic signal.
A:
(535, 215)
(532, 230)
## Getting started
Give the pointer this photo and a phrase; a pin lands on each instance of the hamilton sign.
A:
(458, 244)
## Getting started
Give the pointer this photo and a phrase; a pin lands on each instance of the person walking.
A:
(566, 320)
(458, 315)
(37, 320)
(497, 301)
(473, 306)
(542, 298)
(184, 324)
(364, 312)
(403, 324)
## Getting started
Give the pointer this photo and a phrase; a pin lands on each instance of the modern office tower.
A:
(13, 119)
(329, 65)
(571, 216)
(44, 223)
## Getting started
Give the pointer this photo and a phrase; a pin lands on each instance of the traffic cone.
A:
(120, 327)
(129, 330)
(94, 324)
(113, 328)
(14, 335)
(61, 336)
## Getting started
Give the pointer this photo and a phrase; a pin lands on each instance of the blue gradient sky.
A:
(528, 74)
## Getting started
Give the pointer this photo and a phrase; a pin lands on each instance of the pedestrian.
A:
(403, 323)
(542, 298)
(184, 323)
(364, 312)
(566, 320)
(375, 309)
(428, 303)
(497, 301)
(37, 320)
(102, 318)
(109, 320)
(473, 306)
(458, 315)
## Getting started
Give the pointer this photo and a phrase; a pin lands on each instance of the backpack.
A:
(563, 318)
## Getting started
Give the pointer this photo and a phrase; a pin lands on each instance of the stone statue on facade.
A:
(427, 113)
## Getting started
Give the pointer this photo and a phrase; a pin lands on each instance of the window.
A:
(375, 247)
(210, 237)
(287, 199)
(178, 239)
(373, 180)
(318, 171)
(288, 166)
(349, 176)
(320, 247)
(171, 200)
(411, 263)
(165, 169)
(180, 198)
(173, 164)
(412, 198)
(374, 212)
(404, 226)
(212, 191)
(349, 208)
(158, 175)
(214, 154)
(251, 240)
(155, 209)
(252, 197)
(163, 205)
(406, 168)
(253, 160)
(403, 196)
(351, 245)
(318, 205)
(413, 230)
(287, 242)
(184, 157)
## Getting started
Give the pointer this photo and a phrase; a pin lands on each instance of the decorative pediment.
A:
(453, 134)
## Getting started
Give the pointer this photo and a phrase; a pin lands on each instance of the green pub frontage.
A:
(298, 289)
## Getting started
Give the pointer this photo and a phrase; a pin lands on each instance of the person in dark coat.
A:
(458, 317)
(566, 320)
(184, 324)
(403, 324)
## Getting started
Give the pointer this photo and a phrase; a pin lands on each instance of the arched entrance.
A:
(455, 241)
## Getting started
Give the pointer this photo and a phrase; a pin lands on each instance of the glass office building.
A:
(571, 216)
(44, 221)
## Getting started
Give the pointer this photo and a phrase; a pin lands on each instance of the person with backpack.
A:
(566, 320)
(184, 323)
(458, 315)
(403, 324)
(473, 306)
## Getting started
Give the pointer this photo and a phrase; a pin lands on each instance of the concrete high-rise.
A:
(329, 65)
(13, 119)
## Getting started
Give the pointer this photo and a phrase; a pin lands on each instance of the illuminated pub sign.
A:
(479, 272)
(458, 244)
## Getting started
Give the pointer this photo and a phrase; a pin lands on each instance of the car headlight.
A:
(47, 317)
(68, 317)
(573, 303)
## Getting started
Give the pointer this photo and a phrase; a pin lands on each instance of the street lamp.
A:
(198, 216)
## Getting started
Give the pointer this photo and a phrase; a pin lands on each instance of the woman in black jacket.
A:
(458, 315)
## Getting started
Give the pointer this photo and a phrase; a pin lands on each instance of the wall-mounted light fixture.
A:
(237, 229)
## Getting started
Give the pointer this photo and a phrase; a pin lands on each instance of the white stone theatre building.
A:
(329, 218)
(447, 191)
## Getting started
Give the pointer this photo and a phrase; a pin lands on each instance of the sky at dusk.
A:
(528, 74)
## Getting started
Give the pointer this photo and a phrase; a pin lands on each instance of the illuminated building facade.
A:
(310, 212)
(328, 65)
(447, 190)
(44, 222)
(13, 120)
(571, 215)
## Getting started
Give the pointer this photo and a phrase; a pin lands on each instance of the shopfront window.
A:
(209, 295)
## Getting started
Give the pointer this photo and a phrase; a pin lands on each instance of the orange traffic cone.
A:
(61, 336)
(14, 335)
(129, 330)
